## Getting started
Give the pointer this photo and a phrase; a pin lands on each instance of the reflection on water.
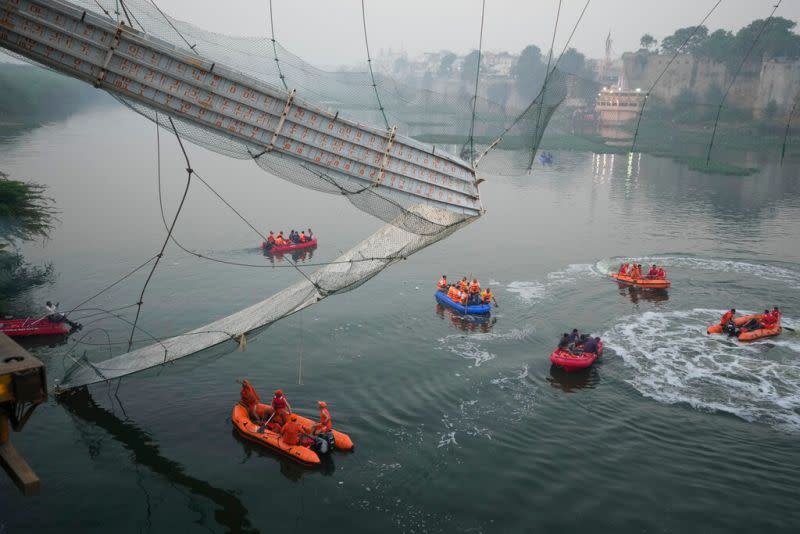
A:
(635, 294)
(570, 382)
(467, 323)
(231, 513)
(289, 469)
(298, 256)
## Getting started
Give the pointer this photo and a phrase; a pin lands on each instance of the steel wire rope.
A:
(666, 67)
(275, 49)
(738, 70)
(786, 134)
(533, 102)
(169, 232)
(191, 46)
(123, 278)
(475, 93)
(369, 63)
(544, 85)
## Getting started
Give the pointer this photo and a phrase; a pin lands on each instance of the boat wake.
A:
(536, 291)
(469, 346)
(760, 270)
(673, 360)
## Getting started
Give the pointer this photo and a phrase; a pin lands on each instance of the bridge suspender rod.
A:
(283, 119)
(385, 159)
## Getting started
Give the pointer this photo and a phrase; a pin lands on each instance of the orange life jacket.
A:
(290, 433)
(725, 318)
(462, 285)
(249, 397)
(325, 420)
(623, 269)
(302, 237)
(768, 320)
(661, 273)
(270, 238)
(453, 294)
(487, 297)
(442, 285)
(474, 287)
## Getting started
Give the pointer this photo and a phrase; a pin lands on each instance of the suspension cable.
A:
(191, 46)
(544, 84)
(275, 48)
(666, 67)
(786, 134)
(475, 95)
(733, 79)
(369, 63)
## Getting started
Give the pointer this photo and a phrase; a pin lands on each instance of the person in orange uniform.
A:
(303, 236)
(777, 314)
(292, 432)
(727, 317)
(325, 424)
(463, 285)
(271, 238)
(442, 285)
(250, 400)
(281, 407)
(768, 320)
(636, 272)
(280, 240)
(454, 294)
(623, 269)
(653, 272)
(487, 296)
(661, 274)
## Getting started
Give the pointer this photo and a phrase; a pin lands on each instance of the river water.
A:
(458, 426)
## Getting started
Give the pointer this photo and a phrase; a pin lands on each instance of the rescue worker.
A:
(623, 269)
(653, 272)
(280, 240)
(591, 344)
(271, 238)
(252, 402)
(442, 285)
(292, 432)
(454, 294)
(281, 407)
(474, 287)
(487, 296)
(727, 317)
(303, 238)
(777, 313)
(325, 424)
(661, 274)
(768, 320)
(463, 285)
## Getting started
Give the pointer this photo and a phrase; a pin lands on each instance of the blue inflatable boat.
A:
(479, 309)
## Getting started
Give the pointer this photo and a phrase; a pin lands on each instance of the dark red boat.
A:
(32, 326)
(290, 248)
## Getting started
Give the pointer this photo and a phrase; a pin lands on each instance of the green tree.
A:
(529, 71)
(776, 40)
(719, 46)
(446, 64)
(470, 68)
(647, 41)
(693, 36)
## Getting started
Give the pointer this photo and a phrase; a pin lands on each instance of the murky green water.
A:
(458, 427)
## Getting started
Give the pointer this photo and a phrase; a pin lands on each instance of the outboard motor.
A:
(730, 328)
(323, 443)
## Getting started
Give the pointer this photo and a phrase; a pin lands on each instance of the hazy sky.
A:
(329, 32)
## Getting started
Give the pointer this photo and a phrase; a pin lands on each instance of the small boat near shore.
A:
(32, 326)
(469, 309)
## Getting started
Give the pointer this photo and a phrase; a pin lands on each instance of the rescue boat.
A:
(32, 326)
(470, 309)
(652, 283)
(749, 335)
(272, 440)
(289, 248)
(572, 361)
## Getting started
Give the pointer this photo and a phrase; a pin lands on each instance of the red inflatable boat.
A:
(571, 361)
(32, 326)
(290, 248)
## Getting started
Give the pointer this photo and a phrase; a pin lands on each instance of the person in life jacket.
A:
(454, 294)
(252, 402)
(325, 424)
(271, 238)
(463, 297)
(487, 296)
(653, 272)
(463, 285)
(442, 285)
(727, 317)
(636, 272)
(280, 240)
(280, 407)
(768, 320)
(661, 274)
(303, 238)
(474, 287)
(777, 314)
(292, 433)
(623, 269)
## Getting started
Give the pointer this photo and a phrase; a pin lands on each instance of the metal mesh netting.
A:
(189, 79)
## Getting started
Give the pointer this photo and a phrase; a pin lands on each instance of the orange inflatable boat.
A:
(749, 335)
(263, 436)
(652, 283)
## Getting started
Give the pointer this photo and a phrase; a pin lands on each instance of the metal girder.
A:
(264, 118)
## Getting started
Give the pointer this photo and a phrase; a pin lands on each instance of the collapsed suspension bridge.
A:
(421, 191)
